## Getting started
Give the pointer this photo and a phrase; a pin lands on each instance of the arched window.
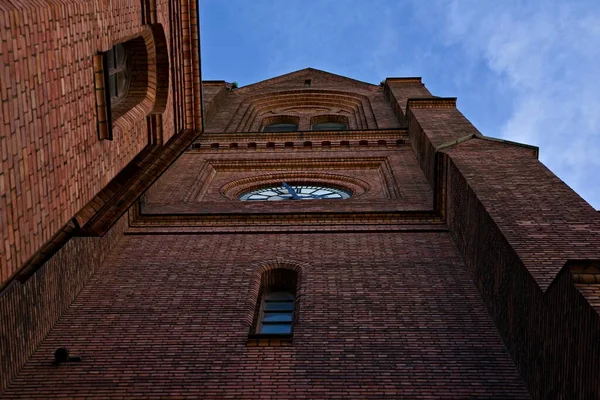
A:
(131, 78)
(276, 308)
(119, 74)
(280, 123)
(280, 128)
(329, 123)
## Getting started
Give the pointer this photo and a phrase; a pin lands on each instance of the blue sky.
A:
(527, 71)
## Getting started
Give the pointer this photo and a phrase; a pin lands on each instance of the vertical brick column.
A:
(517, 226)
(399, 90)
(433, 124)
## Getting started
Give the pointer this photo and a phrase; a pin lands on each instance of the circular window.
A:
(295, 191)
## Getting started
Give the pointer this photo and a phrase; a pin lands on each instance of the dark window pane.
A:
(279, 306)
(119, 55)
(121, 83)
(280, 128)
(112, 81)
(277, 317)
(329, 126)
(276, 329)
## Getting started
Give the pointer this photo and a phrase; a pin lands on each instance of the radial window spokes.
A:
(295, 192)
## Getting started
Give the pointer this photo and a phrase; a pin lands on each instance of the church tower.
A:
(310, 236)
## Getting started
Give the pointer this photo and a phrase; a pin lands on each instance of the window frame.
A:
(261, 322)
(329, 119)
(120, 71)
(342, 126)
(280, 120)
(265, 128)
(279, 282)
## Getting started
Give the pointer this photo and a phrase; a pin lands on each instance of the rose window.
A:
(295, 191)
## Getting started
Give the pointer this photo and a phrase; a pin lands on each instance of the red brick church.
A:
(309, 236)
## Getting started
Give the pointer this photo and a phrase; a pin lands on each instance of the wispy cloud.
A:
(548, 54)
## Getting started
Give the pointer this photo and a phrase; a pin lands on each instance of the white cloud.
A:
(548, 53)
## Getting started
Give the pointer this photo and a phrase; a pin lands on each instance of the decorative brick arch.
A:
(280, 119)
(355, 187)
(149, 86)
(261, 272)
(252, 110)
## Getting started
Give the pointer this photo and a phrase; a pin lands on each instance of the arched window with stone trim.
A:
(329, 123)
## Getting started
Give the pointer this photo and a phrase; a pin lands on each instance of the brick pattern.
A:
(363, 104)
(433, 124)
(543, 220)
(52, 163)
(29, 310)
(381, 316)
(517, 226)
(552, 335)
(53, 167)
(214, 94)
(399, 90)
(199, 180)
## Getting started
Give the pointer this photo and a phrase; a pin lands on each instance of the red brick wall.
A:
(543, 220)
(517, 225)
(52, 162)
(196, 179)
(28, 311)
(364, 104)
(387, 315)
(399, 90)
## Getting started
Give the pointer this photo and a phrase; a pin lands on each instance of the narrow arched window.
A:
(118, 73)
(122, 81)
(276, 308)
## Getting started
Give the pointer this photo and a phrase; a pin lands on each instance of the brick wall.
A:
(53, 167)
(28, 311)
(197, 179)
(518, 227)
(381, 316)
(364, 104)
(52, 162)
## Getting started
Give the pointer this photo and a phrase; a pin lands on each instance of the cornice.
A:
(301, 139)
(283, 222)
(407, 79)
(431, 102)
